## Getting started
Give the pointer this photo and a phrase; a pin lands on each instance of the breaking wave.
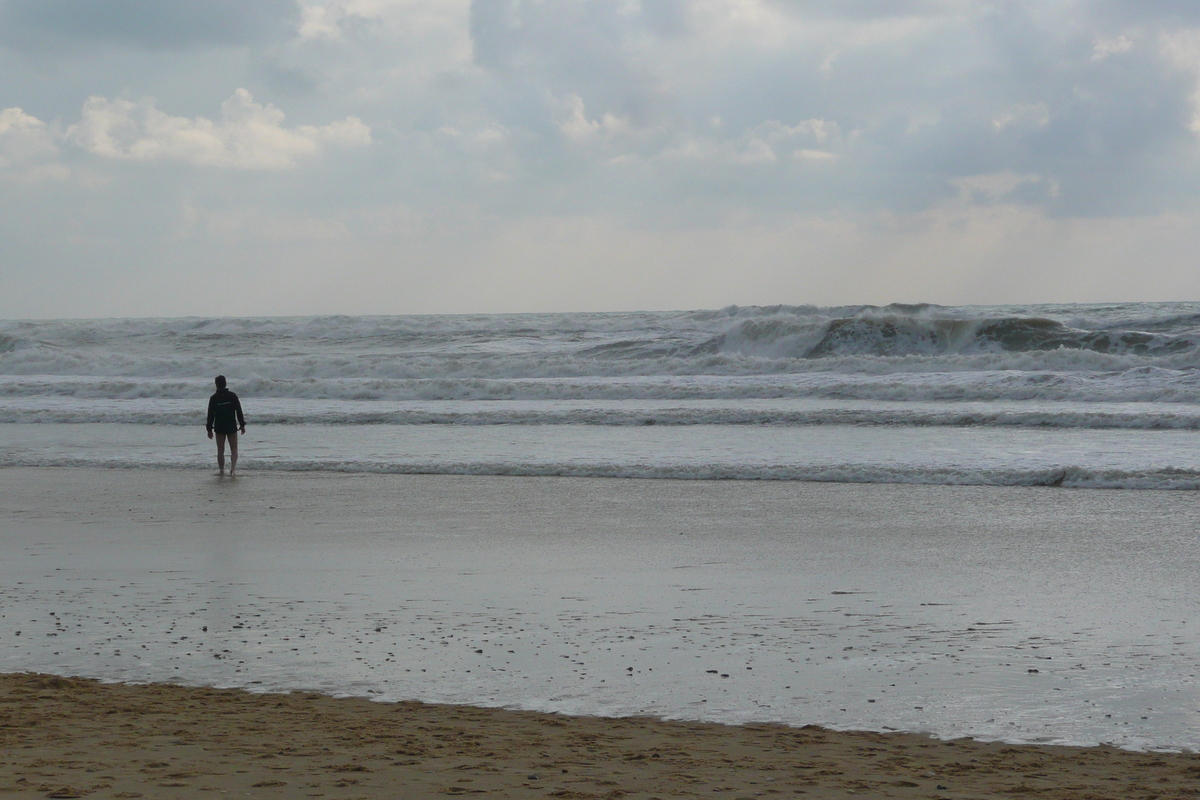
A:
(893, 335)
(733, 341)
(1129, 416)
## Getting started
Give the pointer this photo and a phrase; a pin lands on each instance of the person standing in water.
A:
(224, 419)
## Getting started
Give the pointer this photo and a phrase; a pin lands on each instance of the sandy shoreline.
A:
(1014, 615)
(74, 738)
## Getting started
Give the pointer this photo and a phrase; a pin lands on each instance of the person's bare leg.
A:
(232, 453)
(221, 452)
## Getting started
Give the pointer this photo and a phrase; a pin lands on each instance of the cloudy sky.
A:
(256, 157)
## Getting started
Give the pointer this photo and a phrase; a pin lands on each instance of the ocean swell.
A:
(734, 341)
(893, 335)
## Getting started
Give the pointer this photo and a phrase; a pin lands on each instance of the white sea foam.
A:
(603, 411)
(966, 455)
(1140, 384)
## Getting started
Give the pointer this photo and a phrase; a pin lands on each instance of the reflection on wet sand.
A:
(1011, 614)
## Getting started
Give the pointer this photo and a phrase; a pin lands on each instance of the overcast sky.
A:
(262, 157)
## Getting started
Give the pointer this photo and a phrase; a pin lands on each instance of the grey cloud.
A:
(153, 24)
(655, 116)
(966, 90)
(575, 46)
(1009, 86)
(861, 9)
(1139, 12)
(667, 18)
(495, 31)
(1114, 127)
(289, 81)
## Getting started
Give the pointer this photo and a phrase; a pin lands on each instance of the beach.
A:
(934, 526)
(1013, 614)
(77, 738)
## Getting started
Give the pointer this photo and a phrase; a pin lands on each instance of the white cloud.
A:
(376, 47)
(249, 135)
(579, 128)
(321, 22)
(335, 19)
(997, 186)
(1025, 115)
(817, 156)
(1182, 49)
(1103, 48)
(808, 140)
(759, 21)
(26, 146)
(756, 151)
(842, 39)
(22, 138)
(810, 131)
(258, 224)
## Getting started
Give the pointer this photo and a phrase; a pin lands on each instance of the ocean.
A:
(1099, 396)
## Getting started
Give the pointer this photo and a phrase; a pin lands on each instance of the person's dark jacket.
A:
(225, 412)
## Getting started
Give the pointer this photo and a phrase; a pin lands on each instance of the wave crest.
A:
(918, 333)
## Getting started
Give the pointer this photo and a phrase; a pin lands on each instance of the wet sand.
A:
(74, 738)
(1034, 616)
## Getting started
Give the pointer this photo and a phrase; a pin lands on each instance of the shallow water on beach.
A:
(988, 455)
(1010, 613)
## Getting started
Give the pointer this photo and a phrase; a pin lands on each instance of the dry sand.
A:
(74, 738)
